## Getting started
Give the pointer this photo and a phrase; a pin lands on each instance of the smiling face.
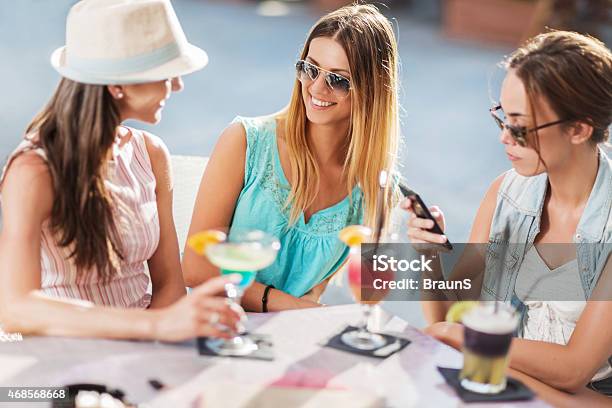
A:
(323, 105)
(145, 102)
(554, 144)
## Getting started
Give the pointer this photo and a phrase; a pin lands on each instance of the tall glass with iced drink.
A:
(487, 337)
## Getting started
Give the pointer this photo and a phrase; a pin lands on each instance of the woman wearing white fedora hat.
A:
(86, 201)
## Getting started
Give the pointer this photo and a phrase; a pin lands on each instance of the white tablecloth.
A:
(406, 379)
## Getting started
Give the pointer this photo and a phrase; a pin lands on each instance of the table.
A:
(406, 379)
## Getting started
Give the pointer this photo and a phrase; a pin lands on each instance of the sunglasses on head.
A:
(518, 133)
(308, 72)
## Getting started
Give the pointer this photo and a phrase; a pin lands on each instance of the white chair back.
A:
(187, 172)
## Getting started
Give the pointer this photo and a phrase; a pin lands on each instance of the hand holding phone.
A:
(421, 211)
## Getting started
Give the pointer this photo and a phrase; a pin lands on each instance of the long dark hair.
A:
(574, 73)
(76, 130)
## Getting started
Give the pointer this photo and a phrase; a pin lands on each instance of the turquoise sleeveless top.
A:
(310, 252)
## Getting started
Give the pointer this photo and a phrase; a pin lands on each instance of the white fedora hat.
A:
(125, 42)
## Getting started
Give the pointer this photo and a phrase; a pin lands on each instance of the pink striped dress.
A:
(131, 181)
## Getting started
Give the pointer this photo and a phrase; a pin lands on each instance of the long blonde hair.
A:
(373, 138)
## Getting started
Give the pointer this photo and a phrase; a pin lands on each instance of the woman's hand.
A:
(448, 333)
(418, 228)
(203, 313)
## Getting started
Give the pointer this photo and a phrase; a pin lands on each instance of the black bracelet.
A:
(264, 298)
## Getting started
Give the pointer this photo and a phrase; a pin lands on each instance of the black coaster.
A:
(515, 390)
(392, 346)
(265, 347)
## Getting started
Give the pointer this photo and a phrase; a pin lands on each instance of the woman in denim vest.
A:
(554, 113)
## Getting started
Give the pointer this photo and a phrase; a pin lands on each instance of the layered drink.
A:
(487, 337)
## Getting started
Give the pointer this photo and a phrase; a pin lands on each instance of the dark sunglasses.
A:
(307, 72)
(518, 133)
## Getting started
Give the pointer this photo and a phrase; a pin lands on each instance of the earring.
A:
(120, 95)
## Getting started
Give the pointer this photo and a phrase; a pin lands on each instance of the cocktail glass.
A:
(361, 281)
(244, 253)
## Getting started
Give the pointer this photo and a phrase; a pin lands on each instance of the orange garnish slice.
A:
(200, 241)
(354, 235)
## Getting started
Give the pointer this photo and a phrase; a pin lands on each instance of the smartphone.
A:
(421, 210)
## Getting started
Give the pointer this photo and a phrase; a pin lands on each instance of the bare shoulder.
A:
(28, 169)
(157, 149)
(233, 137)
(230, 149)
(491, 195)
(27, 186)
(482, 223)
(161, 162)
(223, 179)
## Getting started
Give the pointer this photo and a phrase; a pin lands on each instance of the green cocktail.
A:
(244, 259)
(244, 254)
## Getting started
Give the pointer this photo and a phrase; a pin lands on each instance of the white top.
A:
(551, 320)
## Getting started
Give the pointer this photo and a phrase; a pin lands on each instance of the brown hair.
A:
(76, 130)
(573, 72)
(372, 142)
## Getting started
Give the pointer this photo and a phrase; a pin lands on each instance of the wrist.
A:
(265, 298)
(152, 324)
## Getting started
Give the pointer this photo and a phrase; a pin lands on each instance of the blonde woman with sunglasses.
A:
(547, 222)
(312, 169)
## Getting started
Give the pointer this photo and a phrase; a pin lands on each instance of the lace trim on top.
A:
(329, 220)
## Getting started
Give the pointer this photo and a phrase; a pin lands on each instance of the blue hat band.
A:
(124, 66)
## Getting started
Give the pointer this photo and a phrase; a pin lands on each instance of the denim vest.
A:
(516, 223)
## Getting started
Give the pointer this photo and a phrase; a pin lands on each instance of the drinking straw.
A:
(498, 282)
(380, 213)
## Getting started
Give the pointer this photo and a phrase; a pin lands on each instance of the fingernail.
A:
(443, 238)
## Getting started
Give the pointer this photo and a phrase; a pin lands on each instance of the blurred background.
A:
(449, 51)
